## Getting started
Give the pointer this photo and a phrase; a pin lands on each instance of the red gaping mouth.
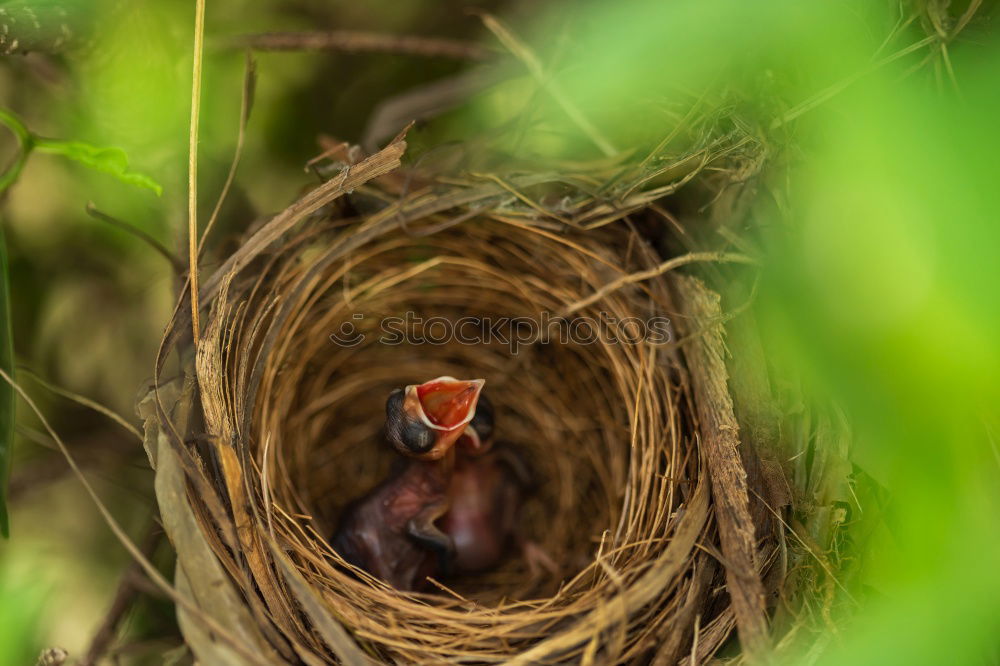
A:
(447, 403)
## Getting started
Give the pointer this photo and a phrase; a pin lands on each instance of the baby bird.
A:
(391, 531)
(488, 486)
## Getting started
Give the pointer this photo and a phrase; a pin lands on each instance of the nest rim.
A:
(645, 592)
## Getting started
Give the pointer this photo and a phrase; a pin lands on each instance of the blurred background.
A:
(869, 136)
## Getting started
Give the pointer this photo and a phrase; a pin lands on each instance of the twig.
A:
(199, 47)
(351, 178)
(966, 17)
(360, 42)
(120, 603)
(246, 103)
(175, 261)
(82, 400)
(719, 435)
(669, 265)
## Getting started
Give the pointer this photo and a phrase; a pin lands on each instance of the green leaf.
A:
(107, 160)
(6, 390)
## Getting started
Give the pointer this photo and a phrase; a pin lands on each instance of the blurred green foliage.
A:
(876, 215)
(107, 160)
(887, 294)
(20, 611)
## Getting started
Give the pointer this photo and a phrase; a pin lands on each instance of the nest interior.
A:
(323, 403)
(619, 423)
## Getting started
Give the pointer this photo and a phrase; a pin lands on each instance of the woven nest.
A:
(272, 427)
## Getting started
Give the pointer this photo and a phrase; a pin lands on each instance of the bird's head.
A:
(425, 420)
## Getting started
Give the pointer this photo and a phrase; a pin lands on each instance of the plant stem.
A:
(199, 38)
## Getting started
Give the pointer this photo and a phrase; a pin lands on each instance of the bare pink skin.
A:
(373, 533)
(485, 498)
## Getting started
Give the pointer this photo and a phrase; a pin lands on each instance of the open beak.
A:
(446, 405)
(472, 442)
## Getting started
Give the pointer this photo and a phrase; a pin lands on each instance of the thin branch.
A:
(359, 42)
(966, 17)
(350, 178)
(174, 260)
(718, 433)
(246, 103)
(82, 400)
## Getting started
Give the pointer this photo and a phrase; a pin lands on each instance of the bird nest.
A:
(606, 368)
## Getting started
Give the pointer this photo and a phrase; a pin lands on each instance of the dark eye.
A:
(405, 434)
(417, 437)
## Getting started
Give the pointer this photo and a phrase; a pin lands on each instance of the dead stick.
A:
(719, 434)
(359, 42)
